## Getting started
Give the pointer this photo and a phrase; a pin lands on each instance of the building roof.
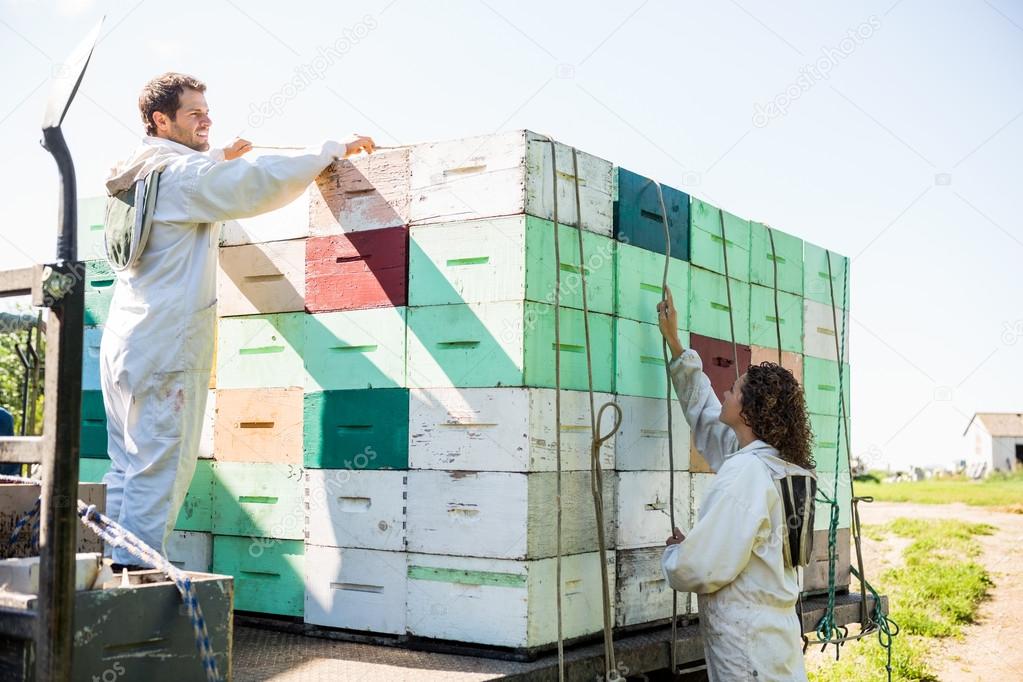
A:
(999, 423)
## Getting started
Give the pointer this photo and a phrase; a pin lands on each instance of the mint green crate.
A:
(510, 258)
(99, 292)
(361, 429)
(93, 435)
(258, 499)
(261, 351)
(705, 241)
(815, 275)
(506, 344)
(91, 218)
(787, 256)
(822, 510)
(709, 309)
(269, 574)
(639, 359)
(92, 470)
(766, 320)
(820, 381)
(827, 440)
(197, 510)
(638, 277)
(355, 349)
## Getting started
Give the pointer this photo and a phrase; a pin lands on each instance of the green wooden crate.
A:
(822, 511)
(788, 256)
(638, 278)
(815, 275)
(93, 439)
(261, 351)
(505, 344)
(820, 381)
(639, 359)
(259, 500)
(92, 470)
(709, 310)
(269, 574)
(766, 320)
(508, 259)
(705, 241)
(360, 429)
(99, 291)
(355, 349)
(91, 216)
(197, 510)
(826, 441)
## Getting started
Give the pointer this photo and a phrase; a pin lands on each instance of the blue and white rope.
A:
(114, 534)
(31, 514)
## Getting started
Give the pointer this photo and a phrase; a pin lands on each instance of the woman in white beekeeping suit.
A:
(157, 348)
(755, 524)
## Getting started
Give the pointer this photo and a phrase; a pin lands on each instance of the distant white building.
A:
(994, 442)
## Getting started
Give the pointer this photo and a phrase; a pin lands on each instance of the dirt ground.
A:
(991, 648)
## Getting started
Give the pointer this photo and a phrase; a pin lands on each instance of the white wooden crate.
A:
(642, 507)
(289, 222)
(190, 551)
(501, 429)
(500, 602)
(506, 174)
(261, 278)
(504, 515)
(366, 192)
(819, 334)
(641, 443)
(357, 589)
(642, 594)
(355, 508)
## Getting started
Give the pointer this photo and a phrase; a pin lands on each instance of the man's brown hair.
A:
(163, 94)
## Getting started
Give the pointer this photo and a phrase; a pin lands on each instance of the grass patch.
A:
(999, 490)
(933, 594)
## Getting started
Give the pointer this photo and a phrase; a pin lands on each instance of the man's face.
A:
(191, 123)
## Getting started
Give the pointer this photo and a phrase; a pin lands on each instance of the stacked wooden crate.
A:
(385, 404)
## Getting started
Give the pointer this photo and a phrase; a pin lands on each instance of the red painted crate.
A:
(718, 363)
(357, 270)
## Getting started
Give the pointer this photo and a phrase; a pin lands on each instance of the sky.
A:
(889, 131)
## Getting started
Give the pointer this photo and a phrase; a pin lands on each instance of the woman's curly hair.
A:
(774, 407)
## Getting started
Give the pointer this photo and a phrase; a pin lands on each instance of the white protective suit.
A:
(157, 348)
(732, 558)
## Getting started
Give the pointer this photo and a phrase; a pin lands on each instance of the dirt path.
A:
(992, 648)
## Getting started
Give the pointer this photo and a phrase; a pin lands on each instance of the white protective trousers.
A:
(157, 347)
(733, 556)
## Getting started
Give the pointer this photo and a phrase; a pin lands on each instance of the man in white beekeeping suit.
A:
(157, 346)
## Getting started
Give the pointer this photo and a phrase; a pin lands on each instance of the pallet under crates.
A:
(401, 345)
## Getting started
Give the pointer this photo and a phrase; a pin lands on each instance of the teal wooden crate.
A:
(92, 470)
(639, 359)
(91, 216)
(787, 256)
(261, 351)
(639, 215)
(269, 574)
(99, 291)
(197, 510)
(766, 320)
(827, 441)
(820, 381)
(822, 511)
(360, 429)
(709, 310)
(506, 344)
(816, 286)
(508, 259)
(638, 277)
(93, 439)
(355, 349)
(705, 241)
(259, 500)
